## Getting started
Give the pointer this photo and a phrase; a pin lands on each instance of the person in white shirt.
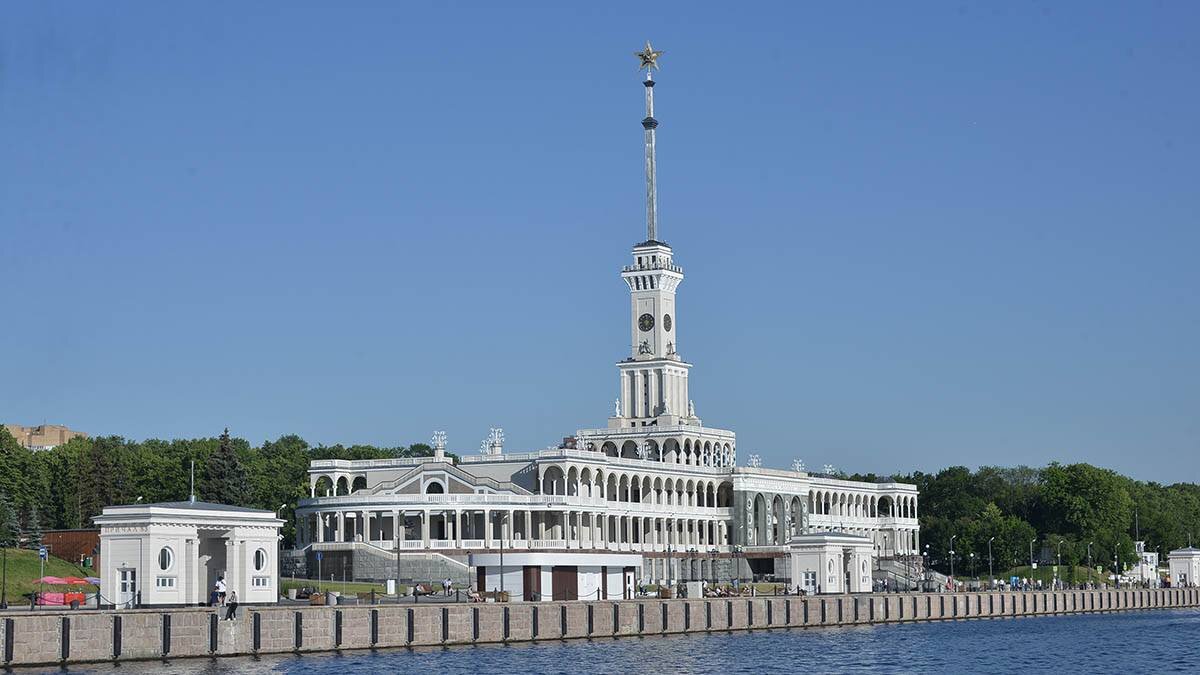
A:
(221, 590)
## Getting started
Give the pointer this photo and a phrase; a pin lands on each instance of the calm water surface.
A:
(1129, 642)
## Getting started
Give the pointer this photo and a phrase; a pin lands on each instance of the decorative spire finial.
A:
(648, 58)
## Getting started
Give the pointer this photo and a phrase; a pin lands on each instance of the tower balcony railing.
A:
(653, 267)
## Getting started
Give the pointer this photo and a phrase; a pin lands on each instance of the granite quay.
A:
(40, 639)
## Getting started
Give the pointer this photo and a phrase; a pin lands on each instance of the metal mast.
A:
(648, 58)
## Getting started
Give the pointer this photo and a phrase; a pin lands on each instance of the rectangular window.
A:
(261, 582)
(165, 582)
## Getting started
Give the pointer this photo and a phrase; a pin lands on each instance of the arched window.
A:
(260, 560)
(434, 489)
(166, 557)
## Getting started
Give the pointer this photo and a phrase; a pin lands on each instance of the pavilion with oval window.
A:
(172, 553)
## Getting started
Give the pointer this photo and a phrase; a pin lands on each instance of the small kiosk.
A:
(1184, 564)
(832, 562)
(173, 553)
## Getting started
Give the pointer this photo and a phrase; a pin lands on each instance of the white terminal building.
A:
(653, 495)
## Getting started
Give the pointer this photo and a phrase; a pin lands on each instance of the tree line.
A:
(1074, 504)
(64, 487)
(1057, 509)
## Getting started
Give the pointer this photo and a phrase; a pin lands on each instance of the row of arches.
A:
(685, 451)
(334, 485)
(774, 520)
(852, 505)
(619, 486)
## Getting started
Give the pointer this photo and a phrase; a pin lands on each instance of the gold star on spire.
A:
(648, 57)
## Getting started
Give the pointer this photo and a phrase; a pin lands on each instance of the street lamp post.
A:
(1057, 566)
(952, 538)
(398, 532)
(1031, 563)
(925, 570)
(670, 563)
(503, 516)
(972, 565)
(991, 574)
(1090, 563)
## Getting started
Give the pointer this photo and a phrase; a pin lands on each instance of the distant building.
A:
(1145, 570)
(42, 437)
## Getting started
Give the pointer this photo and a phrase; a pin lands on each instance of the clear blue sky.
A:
(915, 234)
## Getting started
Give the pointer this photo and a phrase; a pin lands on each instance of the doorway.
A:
(126, 587)
(564, 581)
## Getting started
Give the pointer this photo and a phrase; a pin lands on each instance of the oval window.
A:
(165, 558)
(260, 560)
(864, 566)
(831, 567)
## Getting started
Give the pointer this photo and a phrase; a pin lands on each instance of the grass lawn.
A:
(24, 570)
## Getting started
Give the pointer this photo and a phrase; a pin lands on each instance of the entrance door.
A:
(481, 578)
(127, 587)
(531, 583)
(565, 581)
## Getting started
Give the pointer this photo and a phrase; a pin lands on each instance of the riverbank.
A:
(97, 636)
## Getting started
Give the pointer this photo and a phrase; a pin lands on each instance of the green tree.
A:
(31, 528)
(1085, 502)
(96, 477)
(10, 528)
(225, 480)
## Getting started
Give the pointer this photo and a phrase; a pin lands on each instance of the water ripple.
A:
(1160, 641)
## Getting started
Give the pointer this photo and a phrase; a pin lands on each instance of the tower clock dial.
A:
(646, 322)
(667, 322)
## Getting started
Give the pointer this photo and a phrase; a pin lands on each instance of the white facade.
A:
(654, 479)
(539, 576)
(832, 562)
(173, 553)
(1145, 570)
(1184, 564)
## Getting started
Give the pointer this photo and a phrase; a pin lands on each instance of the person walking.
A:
(221, 590)
(232, 603)
(446, 584)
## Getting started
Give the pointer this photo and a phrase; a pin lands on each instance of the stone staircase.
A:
(907, 574)
(366, 562)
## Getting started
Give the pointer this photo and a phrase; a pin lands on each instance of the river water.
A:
(1128, 642)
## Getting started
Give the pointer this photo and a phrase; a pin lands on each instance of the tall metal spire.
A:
(648, 59)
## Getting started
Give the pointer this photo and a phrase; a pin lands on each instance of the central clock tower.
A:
(654, 388)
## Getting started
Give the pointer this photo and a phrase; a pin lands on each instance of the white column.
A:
(425, 518)
(487, 528)
(625, 402)
(636, 381)
(654, 389)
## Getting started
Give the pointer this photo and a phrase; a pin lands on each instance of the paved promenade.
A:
(43, 638)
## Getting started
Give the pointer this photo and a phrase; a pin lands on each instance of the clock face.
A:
(645, 322)
(667, 322)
